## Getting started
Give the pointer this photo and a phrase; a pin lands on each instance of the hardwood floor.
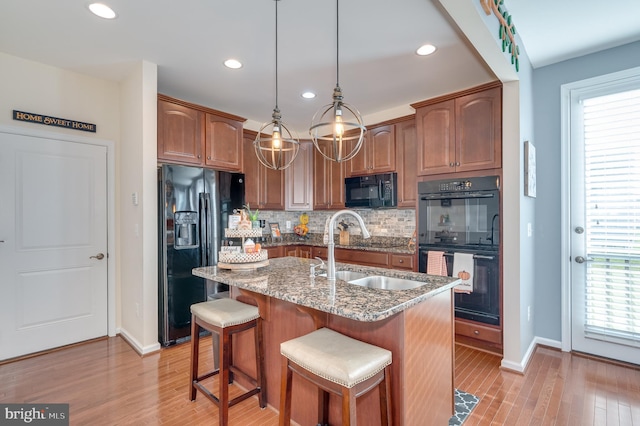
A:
(107, 383)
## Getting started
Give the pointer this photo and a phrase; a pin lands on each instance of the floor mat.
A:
(464, 403)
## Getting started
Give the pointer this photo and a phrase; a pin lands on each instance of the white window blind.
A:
(612, 194)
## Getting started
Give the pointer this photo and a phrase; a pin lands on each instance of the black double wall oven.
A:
(462, 216)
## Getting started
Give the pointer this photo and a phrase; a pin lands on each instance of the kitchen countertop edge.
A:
(288, 279)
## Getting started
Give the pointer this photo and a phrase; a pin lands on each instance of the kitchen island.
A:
(416, 325)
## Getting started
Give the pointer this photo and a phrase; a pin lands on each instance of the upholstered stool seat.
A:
(226, 317)
(338, 364)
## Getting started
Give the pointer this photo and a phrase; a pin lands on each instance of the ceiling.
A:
(379, 72)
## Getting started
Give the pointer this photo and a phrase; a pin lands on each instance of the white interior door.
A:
(53, 258)
(605, 219)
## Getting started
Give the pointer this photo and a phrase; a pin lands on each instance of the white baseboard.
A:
(522, 365)
(137, 346)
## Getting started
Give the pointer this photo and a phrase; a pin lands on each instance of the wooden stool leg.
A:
(195, 343)
(348, 407)
(260, 376)
(285, 393)
(215, 347)
(385, 401)
(223, 377)
(323, 407)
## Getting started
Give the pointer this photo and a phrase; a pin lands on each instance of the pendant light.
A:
(275, 146)
(338, 123)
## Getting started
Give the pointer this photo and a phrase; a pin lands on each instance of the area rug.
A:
(464, 403)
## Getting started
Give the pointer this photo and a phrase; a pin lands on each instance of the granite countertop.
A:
(287, 278)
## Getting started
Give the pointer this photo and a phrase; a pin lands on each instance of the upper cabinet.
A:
(195, 135)
(180, 133)
(298, 179)
(223, 143)
(460, 133)
(264, 187)
(328, 181)
(377, 154)
(407, 163)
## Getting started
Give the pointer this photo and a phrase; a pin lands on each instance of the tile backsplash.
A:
(379, 222)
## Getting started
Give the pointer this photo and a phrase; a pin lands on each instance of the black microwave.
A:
(373, 191)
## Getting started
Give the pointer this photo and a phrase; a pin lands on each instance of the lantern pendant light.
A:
(275, 146)
(337, 130)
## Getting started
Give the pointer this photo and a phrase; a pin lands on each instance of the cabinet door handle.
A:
(457, 163)
(476, 332)
(401, 261)
(450, 164)
(209, 158)
(199, 156)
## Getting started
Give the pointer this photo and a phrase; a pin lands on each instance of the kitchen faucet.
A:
(331, 259)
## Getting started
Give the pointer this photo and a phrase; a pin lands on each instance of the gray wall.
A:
(547, 127)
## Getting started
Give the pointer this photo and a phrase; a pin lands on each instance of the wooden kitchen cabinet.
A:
(264, 187)
(407, 162)
(320, 252)
(402, 261)
(362, 257)
(298, 251)
(377, 154)
(195, 135)
(298, 180)
(180, 133)
(460, 132)
(357, 257)
(328, 181)
(273, 252)
(223, 143)
(478, 335)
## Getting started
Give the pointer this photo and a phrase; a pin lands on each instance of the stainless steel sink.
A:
(347, 275)
(386, 283)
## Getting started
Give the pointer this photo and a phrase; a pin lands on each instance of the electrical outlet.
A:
(529, 313)
(529, 229)
(288, 225)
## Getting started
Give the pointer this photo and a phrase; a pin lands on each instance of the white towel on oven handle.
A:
(463, 268)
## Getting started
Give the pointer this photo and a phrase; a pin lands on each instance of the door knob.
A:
(580, 259)
(98, 256)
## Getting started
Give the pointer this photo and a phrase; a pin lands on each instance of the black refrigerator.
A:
(193, 209)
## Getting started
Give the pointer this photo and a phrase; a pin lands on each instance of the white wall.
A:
(34, 87)
(138, 236)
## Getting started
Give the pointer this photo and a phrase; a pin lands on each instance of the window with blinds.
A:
(612, 196)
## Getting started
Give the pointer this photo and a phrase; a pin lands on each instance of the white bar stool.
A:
(338, 364)
(226, 317)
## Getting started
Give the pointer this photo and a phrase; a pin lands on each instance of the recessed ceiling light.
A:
(102, 10)
(426, 49)
(308, 95)
(233, 64)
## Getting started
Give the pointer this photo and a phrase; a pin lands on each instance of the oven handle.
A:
(475, 256)
(456, 196)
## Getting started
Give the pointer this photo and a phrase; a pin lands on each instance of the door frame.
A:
(111, 233)
(565, 191)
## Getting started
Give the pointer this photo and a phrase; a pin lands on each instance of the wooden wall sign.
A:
(53, 121)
